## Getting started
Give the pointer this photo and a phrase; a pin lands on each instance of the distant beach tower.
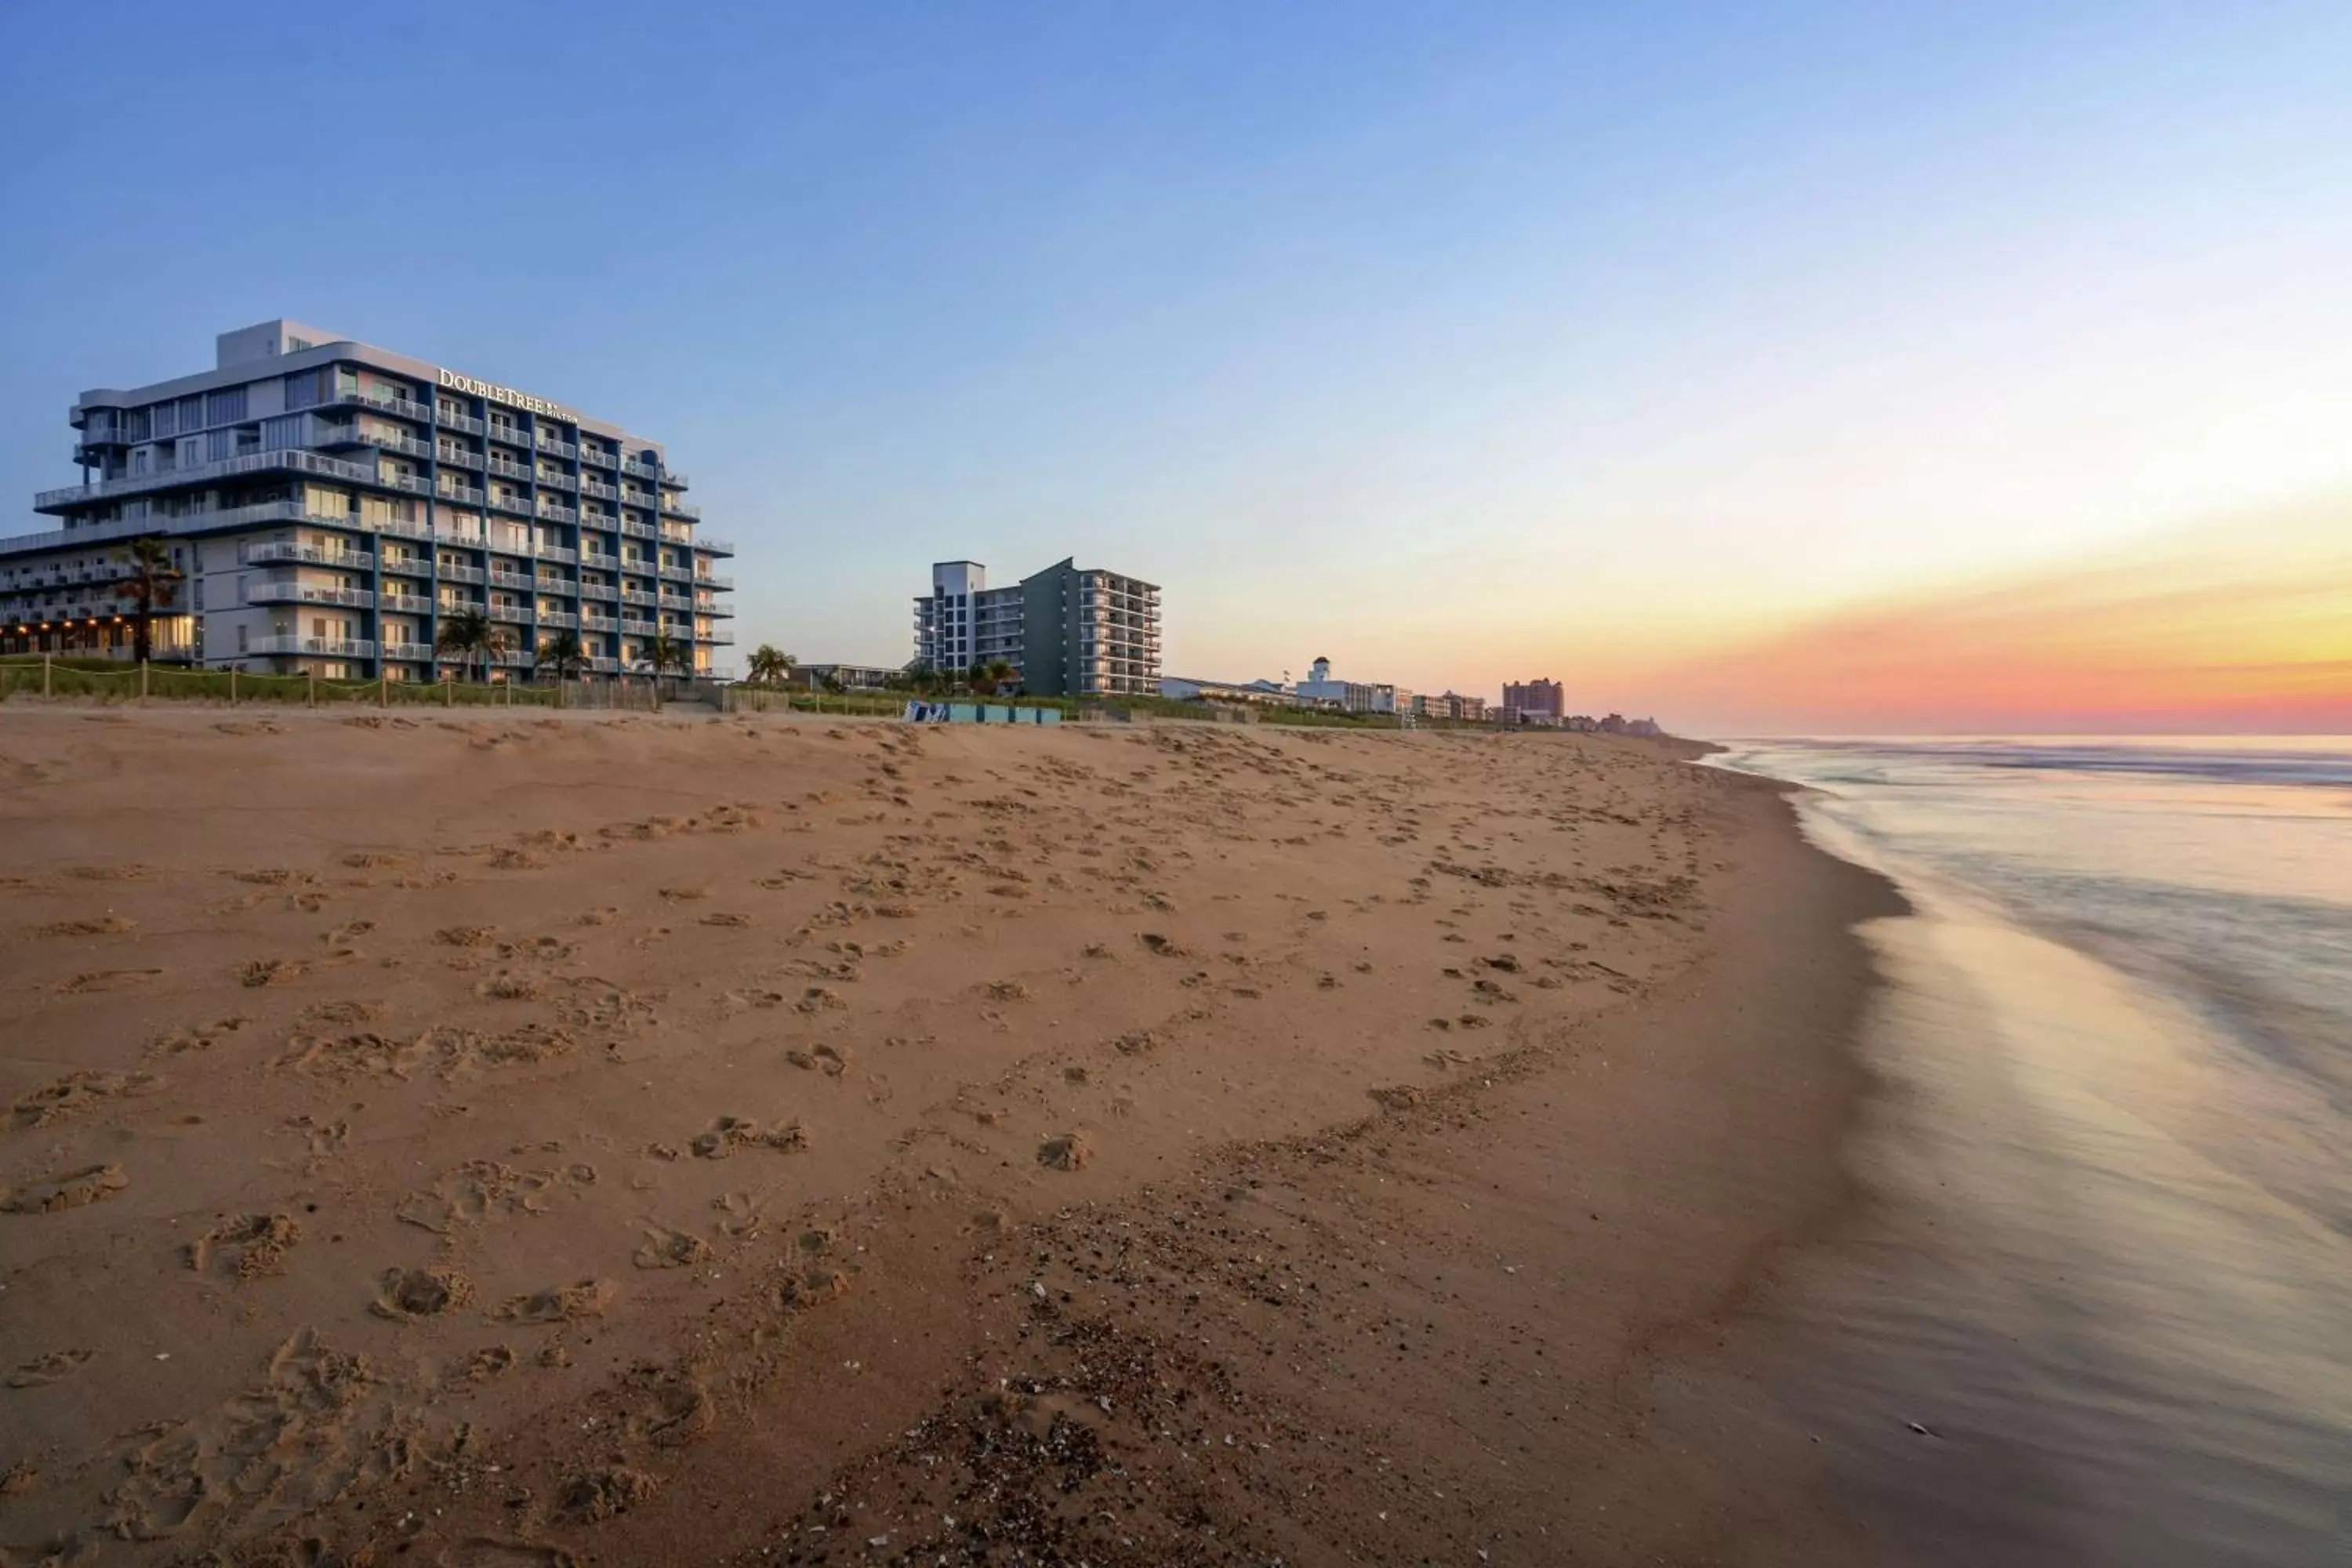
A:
(1321, 671)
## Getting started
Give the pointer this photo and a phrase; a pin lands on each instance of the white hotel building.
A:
(330, 501)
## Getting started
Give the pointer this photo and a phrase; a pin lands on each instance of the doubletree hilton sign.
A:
(506, 394)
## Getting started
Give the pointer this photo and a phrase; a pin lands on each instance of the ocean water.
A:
(2096, 1304)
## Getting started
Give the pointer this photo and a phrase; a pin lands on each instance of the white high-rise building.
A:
(330, 502)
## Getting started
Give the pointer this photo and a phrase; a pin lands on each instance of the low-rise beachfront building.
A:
(330, 503)
(1349, 696)
(847, 677)
(1451, 705)
(1066, 631)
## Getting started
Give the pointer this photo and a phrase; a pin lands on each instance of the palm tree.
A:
(991, 677)
(152, 588)
(470, 631)
(767, 667)
(662, 651)
(562, 653)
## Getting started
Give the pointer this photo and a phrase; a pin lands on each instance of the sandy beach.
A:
(535, 1138)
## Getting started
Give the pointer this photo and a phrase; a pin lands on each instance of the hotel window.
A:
(192, 412)
(225, 406)
(305, 390)
(166, 418)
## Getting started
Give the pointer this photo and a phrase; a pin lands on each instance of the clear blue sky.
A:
(1459, 342)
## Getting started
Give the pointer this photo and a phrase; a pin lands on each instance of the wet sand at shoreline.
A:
(531, 1139)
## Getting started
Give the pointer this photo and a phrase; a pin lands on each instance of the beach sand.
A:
(529, 1139)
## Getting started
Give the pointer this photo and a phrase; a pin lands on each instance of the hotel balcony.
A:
(598, 491)
(72, 496)
(464, 495)
(711, 544)
(638, 628)
(507, 469)
(307, 594)
(603, 590)
(402, 407)
(638, 530)
(719, 580)
(407, 445)
(674, 479)
(598, 456)
(406, 605)
(640, 470)
(556, 447)
(456, 457)
(558, 513)
(556, 552)
(520, 505)
(512, 435)
(518, 614)
(675, 602)
(599, 624)
(558, 618)
(450, 572)
(315, 554)
(632, 597)
(510, 580)
(687, 510)
(676, 574)
(464, 422)
(326, 648)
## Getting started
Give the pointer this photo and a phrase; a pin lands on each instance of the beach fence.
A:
(113, 680)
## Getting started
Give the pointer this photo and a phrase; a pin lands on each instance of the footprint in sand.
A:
(97, 925)
(257, 972)
(666, 1249)
(54, 1367)
(78, 1093)
(558, 1303)
(1066, 1151)
(247, 1247)
(405, 1295)
(72, 1191)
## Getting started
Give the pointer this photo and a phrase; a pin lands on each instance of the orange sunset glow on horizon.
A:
(2239, 627)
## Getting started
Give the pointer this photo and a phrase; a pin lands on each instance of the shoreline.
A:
(1255, 1314)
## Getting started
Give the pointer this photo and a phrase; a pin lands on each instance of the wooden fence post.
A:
(383, 689)
(313, 700)
(44, 673)
(448, 692)
(143, 680)
(232, 686)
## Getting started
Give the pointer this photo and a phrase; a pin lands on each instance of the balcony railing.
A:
(557, 481)
(558, 618)
(684, 508)
(598, 520)
(605, 591)
(642, 470)
(719, 580)
(520, 614)
(458, 457)
(512, 435)
(556, 447)
(507, 469)
(557, 553)
(675, 602)
(638, 530)
(711, 544)
(316, 555)
(465, 495)
(598, 491)
(598, 456)
(603, 558)
(558, 513)
(465, 421)
(520, 504)
(599, 624)
(406, 605)
(205, 473)
(510, 580)
(327, 648)
(400, 407)
(638, 628)
(307, 593)
(631, 596)
(408, 445)
(452, 571)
